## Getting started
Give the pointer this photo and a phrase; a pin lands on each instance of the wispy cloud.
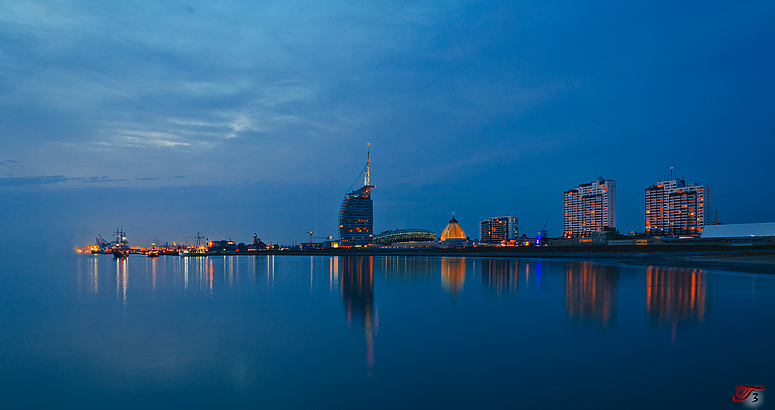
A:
(53, 179)
(97, 179)
(150, 138)
(158, 178)
(42, 180)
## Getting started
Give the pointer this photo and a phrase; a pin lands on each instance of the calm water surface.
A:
(80, 331)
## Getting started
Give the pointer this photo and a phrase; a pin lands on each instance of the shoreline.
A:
(749, 260)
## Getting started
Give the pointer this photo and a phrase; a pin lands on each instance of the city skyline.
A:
(248, 118)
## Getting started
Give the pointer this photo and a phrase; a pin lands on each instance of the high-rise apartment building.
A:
(674, 208)
(356, 216)
(496, 229)
(589, 208)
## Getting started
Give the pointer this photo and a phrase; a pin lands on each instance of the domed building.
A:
(453, 234)
(388, 238)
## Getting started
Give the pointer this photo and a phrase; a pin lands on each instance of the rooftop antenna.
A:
(368, 155)
(671, 173)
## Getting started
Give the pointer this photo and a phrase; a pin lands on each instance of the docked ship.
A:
(120, 248)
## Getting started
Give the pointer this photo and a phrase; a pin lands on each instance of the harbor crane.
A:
(541, 235)
(328, 238)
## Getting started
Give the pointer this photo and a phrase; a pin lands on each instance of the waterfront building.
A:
(453, 231)
(356, 216)
(497, 229)
(404, 235)
(751, 230)
(674, 208)
(453, 235)
(223, 246)
(590, 208)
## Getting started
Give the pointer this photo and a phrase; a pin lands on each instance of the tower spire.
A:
(368, 155)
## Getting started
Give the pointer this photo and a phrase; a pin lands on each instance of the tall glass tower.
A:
(356, 217)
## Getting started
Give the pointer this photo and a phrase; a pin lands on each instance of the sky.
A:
(232, 118)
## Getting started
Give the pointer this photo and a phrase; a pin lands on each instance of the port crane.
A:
(541, 235)
(317, 237)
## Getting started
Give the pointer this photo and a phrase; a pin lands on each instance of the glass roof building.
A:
(404, 235)
(356, 216)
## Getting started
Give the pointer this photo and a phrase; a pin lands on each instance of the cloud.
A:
(53, 179)
(158, 178)
(96, 179)
(150, 138)
(42, 180)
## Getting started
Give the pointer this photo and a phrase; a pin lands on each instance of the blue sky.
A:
(233, 117)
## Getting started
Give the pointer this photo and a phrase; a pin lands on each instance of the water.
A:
(81, 331)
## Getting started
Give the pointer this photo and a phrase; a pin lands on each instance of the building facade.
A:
(590, 208)
(674, 208)
(497, 229)
(356, 216)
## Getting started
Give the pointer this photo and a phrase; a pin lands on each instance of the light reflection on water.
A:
(590, 292)
(673, 295)
(469, 332)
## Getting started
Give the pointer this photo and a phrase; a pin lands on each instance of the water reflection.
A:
(407, 268)
(533, 273)
(675, 296)
(357, 288)
(499, 276)
(453, 274)
(333, 272)
(122, 278)
(590, 292)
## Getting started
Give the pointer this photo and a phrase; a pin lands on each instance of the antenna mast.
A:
(368, 155)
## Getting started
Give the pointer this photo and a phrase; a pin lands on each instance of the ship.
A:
(120, 248)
